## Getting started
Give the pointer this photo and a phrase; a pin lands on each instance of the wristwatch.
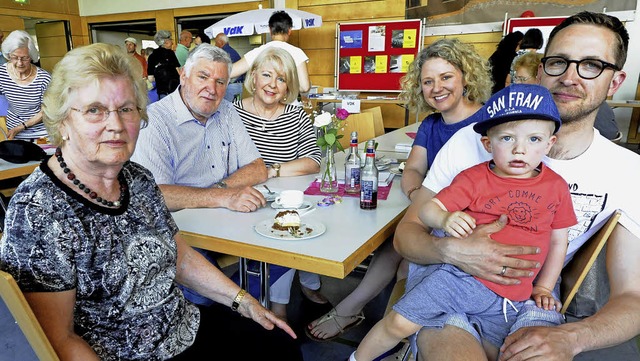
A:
(276, 167)
(220, 185)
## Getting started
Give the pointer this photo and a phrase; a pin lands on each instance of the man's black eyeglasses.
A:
(587, 68)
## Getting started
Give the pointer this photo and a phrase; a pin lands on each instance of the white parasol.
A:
(257, 22)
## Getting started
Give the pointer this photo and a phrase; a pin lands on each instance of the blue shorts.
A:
(436, 293)
(529, 314)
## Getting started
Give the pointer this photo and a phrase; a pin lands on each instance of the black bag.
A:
(21, 151)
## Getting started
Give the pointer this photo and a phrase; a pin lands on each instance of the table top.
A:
(624, 103)
(11, 170)
(388, 141)
(351, 233)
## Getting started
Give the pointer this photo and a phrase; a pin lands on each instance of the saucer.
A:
(305, 205)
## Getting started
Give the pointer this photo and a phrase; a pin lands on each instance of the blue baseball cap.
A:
(518, 102)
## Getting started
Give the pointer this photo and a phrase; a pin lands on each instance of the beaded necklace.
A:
(93, 195)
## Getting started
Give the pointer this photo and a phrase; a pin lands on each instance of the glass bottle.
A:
(369, 179)
(352, 167)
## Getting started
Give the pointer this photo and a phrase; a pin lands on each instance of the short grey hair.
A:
(20, 39)
(208, 52)
(161, 36)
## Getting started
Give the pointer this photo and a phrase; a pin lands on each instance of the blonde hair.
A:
(81, 67)
(475, 70)
(284, 65)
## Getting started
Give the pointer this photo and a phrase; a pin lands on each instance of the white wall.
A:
(101, 7)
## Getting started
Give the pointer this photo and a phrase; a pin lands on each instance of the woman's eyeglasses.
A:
(96, 114)
(15, 59)
(587, 68)
(520, 79)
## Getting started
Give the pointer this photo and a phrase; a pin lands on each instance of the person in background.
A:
(518, 134)
(286, 139)
(197, 148)
(525, 68)
(453, 82)
(501, 59)
(3, 60)
(24, 85)
(147, 52)
(163, 66)
(183, 47)
(202, 38)
(606, 122)
(234, 89)
(582, 66)
(131, 44)
(101, 277)
(280, 26)
(532, 42)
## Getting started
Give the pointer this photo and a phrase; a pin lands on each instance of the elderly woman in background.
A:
(23, 84)
(93, 246)
(525, 68)
(285, 137)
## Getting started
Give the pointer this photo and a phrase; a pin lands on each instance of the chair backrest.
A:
(574, 272)
(378, 122)
(361, 123)
(3, 128)
(22, 313)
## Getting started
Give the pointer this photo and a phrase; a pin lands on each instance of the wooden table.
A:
(12, 170)
(351, 234)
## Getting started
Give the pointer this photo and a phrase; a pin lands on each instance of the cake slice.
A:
(287, 220)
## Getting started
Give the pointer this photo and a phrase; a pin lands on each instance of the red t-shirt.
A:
(535, 206)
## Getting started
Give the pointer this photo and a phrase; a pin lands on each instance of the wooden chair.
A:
(361, 123)
(22, 313)
(378, 122)
(574, 272)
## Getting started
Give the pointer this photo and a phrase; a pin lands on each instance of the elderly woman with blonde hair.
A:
(285, 137)
(23, 84)
(92, 244)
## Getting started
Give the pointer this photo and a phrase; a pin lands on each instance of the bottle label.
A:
(354, 176)
(367, 189)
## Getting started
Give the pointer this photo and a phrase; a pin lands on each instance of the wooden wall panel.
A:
(69, 7)
(10, 23)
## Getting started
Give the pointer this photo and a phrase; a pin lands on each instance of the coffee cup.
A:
(290, 199)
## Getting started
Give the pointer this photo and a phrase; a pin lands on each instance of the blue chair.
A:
(4, 106)
(153, 95)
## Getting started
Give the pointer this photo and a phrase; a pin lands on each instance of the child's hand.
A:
(459, 224)
(544, 299)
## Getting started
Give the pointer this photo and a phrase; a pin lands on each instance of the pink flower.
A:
(342, 114)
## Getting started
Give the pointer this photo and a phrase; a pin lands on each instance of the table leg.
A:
(263, 273)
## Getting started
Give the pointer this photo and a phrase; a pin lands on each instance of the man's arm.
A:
(238, 68)
(238, 196)
(617, 321)
(477, 254)
(303, 77)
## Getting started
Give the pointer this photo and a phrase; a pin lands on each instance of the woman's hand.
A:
(251, 308)
(13, 131)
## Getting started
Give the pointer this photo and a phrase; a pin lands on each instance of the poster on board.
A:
(374, 56)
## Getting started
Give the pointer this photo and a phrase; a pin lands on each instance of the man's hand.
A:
(538, 343)
(244, 199)
(481, 256)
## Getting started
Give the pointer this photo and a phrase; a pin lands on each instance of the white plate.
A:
(383, 163)
(308, 229)
(395, 170)
(268, 197)
(305, 205)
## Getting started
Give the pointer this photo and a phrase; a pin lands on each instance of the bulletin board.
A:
(373, 56)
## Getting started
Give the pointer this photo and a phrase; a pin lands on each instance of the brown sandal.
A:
(332, 316)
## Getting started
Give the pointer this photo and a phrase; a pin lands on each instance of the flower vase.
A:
(329, 175)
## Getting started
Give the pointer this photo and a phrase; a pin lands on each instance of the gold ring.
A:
(504, 269)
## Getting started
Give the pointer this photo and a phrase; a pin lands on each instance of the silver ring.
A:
(504, 269)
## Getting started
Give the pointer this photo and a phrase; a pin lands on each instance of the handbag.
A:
(21, 151)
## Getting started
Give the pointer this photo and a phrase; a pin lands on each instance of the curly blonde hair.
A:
(475, 70)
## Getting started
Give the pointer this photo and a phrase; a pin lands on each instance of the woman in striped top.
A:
(285, 137)
(23, 84)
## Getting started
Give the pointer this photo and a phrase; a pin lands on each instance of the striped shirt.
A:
(25, 101)
(288, 137)
(180, 150)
